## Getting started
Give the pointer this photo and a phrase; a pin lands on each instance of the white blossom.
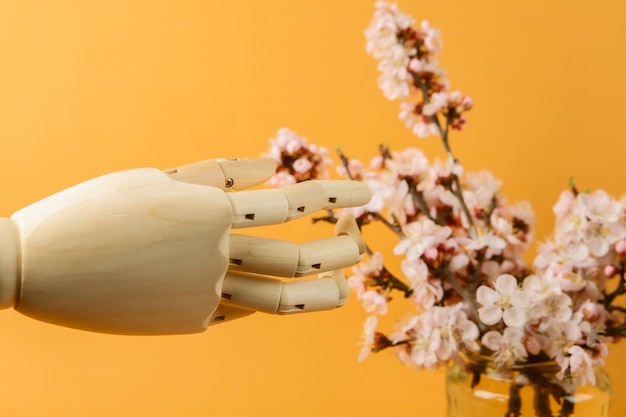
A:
(505, 301)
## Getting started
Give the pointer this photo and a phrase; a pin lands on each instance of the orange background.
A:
(90, 87)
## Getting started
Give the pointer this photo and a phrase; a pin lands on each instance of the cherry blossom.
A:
(556, 306)
(557, 337)
(436, 103)
(381, 34)
(365, 271)
(425, 342)
(507, 346)
(421, 235)
(297, 159)
(456, 331)
(484, 239)
(425, 292)
(480, 189)
(432, 39)
(505, 301)
(416, 121)
(578, 365)
(410, 162)
(459, 260)
(394, 78)
(374, 301)
(369, 330)
(600, 207)
(537, 287)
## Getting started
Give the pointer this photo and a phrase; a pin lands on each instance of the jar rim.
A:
(489, 362)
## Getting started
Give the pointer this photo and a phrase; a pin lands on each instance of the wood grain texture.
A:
(130, 252)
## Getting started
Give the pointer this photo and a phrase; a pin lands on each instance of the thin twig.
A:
(443, 133)
(394, 227)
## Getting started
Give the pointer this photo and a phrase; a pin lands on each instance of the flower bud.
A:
(620, 248)
(610, 271)
(431, 254)
(415, 65)
(468, 103)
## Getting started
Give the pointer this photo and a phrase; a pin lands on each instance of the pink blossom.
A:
(484, 238)
(418, 123)
(592, 220)
(454, 331)
(433, 37)
(594, 323)
(369, 330)
(282, 179)
(565, 204)
(381, 33)
(434, 193)
(579, 365)
(555, 306)
(492, 270)
(374, 301)
(302, 165)
(297, 160)
(437, 335)
(411, 162)
(513, 223)
(557, 337)
(383, 44)
(480, 188)
(425, 292)
(464, 330)
(572, 281)
(425, 343)
(436, 103)
(563, 257)
(355, 168)
(421, 235)
(540, 286)
(405, 329)
(364, 271)
(389, 194)
(508, 346)
(600, 207)
(610, 271)
(394, 78)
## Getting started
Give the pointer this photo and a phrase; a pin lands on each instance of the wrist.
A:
(9, 263)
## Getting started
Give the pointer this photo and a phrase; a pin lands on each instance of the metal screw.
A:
(229, 182)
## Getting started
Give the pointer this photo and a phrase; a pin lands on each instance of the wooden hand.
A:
(146, 251)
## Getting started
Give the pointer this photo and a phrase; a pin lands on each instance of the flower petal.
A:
(514, 317)
(492, 340)
(490, 314)
(520, 299)
(486, 296)
(506, 284)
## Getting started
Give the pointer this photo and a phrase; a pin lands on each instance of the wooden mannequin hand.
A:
(150, 252)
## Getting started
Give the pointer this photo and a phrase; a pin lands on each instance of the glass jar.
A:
(479, 389)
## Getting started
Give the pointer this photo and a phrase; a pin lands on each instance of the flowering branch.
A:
(461, 245)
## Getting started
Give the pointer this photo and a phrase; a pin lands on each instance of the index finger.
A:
(279, 205)
(226, 173)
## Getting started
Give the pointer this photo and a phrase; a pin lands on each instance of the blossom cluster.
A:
(297, 160)
(445, 256)
(460, 251)
(463, 245)
(408, 63)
